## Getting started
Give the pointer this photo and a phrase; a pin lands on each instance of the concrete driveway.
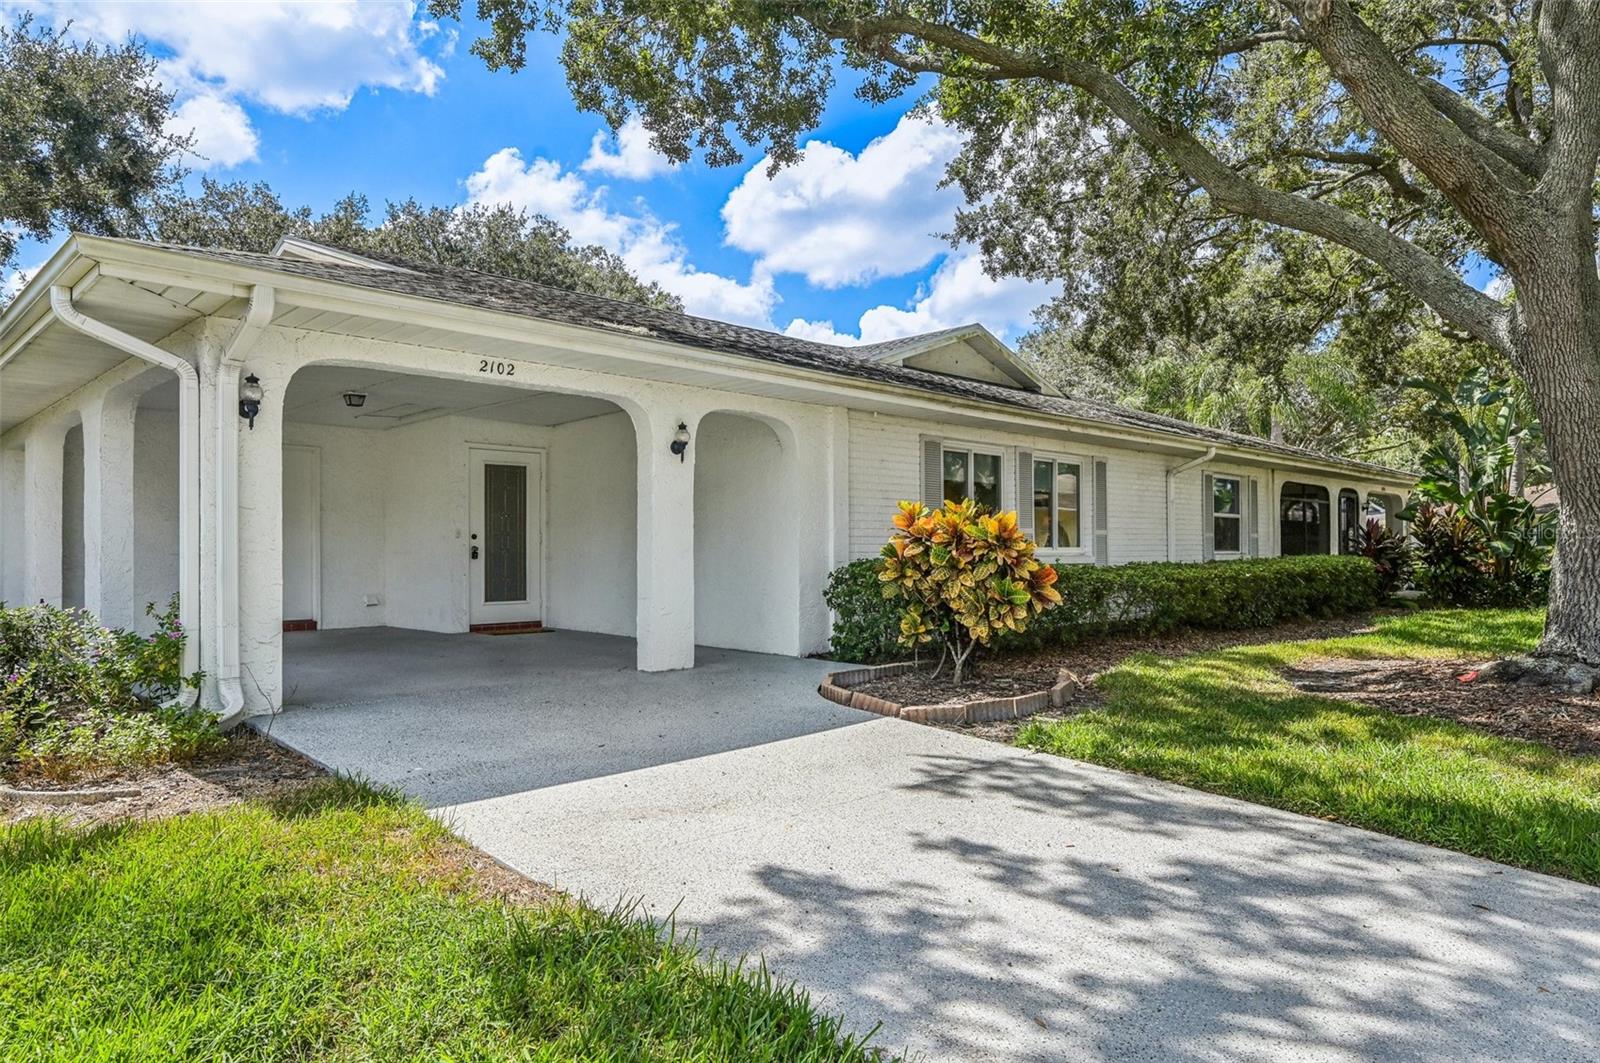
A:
(978, 901)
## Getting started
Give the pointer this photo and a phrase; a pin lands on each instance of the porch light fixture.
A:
(355, 399)
(250, 395)
(680, 440)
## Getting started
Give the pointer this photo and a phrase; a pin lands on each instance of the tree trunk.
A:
(1559, 310)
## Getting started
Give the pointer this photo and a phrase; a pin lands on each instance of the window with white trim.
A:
(1057, 504)
(972, 474)
(1227, 515)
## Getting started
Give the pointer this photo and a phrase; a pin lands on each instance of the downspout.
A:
(1210, 453)
(257, 316)
(188, 464)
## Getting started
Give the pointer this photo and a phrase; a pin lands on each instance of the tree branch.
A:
(1256, 40)
(1518, 151)
(1425, 276)
(1515, 101)
(1381, 165)
(1487, 191)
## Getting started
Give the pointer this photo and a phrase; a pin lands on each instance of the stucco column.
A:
(43, 465)
(108, 550)
(665, 614)
(261, 548)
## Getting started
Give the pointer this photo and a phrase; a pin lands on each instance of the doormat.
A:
(533, 627)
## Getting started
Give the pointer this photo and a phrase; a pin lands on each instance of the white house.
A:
(448, 450)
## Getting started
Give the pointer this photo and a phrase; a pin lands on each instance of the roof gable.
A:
(970, 352)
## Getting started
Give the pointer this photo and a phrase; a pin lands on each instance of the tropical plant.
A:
(1453, 557)
(1389, 551)
(963, 575)
(1487, 449)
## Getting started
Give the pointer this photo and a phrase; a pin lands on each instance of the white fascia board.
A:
(122, 258)
(311, 251)
(20, 321)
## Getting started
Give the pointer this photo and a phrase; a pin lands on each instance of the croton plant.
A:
(964, 575)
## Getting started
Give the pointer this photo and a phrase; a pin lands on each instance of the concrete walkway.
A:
(978, 901)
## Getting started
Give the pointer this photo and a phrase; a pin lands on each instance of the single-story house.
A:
(317, 439)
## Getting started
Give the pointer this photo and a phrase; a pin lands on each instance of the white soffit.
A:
(316, 396)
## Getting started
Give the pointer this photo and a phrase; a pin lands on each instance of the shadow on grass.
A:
(47, 840)
(337, 793)
(1228, 722)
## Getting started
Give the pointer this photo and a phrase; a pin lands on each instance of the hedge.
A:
(1144, 598)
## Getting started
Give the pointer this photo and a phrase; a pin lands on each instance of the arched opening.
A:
(1303, 520)
(155, 501)
(1385, 508)
(72, 554)
(746, 578)
(1350, 521)
(13, 526)
(446, 505)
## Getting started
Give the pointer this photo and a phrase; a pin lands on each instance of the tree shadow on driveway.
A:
(1049, 910)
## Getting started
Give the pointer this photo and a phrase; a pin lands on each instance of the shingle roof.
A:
(507, 295)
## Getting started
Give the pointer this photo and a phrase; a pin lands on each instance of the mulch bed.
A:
(247, 767)
(1011, 674)
(1568, 722)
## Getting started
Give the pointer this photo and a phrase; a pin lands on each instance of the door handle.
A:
(474, 553)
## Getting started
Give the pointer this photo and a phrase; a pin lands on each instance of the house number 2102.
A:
(494, 368)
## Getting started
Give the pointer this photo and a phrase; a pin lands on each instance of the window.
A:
(974, 475)
(1056, 504)
(1227, 515)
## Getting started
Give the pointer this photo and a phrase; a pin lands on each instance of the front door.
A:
(504, 551)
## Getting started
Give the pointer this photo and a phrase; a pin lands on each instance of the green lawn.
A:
(1227, 722)
(344, 926)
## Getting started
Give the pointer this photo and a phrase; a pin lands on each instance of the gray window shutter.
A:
(1255, 519)
(932, 473)
(1025, 492)
(1102, 515)
(1208, 526)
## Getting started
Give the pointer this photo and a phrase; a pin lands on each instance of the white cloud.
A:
(634, 159)
(839, 219)
(819, 332)
(645, 243)
(958, 293)
(292, 57)
(12, 283)
(221, 130)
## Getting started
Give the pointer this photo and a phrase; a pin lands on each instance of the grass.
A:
(337, 926)
(1228, 722)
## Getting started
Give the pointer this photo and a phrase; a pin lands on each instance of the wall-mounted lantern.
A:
(250, 396)
(680, 440)
(355, 399)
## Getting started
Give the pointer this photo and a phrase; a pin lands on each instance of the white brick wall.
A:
(886, 466)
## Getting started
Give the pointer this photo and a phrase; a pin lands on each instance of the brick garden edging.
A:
(836, 687)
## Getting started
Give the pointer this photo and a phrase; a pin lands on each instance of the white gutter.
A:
(1172, 473)
(258, 315)
(188, 464)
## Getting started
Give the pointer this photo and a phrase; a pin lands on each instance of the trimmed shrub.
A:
(866, 625)
(1150, 598)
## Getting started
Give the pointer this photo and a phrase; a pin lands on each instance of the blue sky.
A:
(322, 98)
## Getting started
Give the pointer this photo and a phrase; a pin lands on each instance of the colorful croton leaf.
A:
(964, 575)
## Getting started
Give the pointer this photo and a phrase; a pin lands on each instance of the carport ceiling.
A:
(316, 396)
